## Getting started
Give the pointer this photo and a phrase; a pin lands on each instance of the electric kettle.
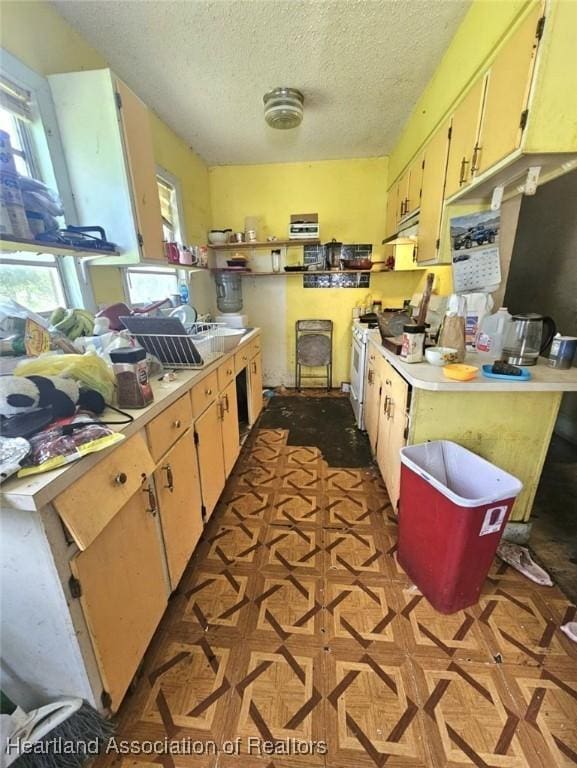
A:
(527, 337)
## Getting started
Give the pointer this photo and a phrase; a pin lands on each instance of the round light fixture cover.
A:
(283, 108)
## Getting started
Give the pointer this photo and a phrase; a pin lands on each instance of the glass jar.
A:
(275, 257)
(413, 343)
(130, 368)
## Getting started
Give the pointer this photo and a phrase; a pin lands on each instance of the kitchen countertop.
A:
(431, 377)
(34, 492)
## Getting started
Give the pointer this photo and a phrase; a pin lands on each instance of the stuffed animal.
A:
(24, 394)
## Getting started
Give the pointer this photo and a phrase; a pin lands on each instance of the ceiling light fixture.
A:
(283, 108)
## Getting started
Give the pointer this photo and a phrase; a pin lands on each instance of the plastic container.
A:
(491, 334)
(183, 291)
(453, 509)
(131, 371)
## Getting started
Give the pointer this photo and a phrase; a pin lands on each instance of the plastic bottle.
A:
(492, 333)
(183, 290)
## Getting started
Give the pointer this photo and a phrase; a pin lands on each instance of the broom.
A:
(63, 734)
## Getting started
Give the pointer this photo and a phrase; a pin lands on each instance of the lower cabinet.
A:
(386, 419)
(255, 387)
(177, 486)
(229, 426)
(372, 401)
(123, 590)
(208, 437)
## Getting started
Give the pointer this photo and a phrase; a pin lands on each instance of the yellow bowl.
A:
(460, 372)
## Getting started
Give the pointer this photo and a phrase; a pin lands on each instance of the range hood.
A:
(407, 232)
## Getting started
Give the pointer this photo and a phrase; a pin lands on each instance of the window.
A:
(33, 280)
(170, 207)
(39, 281)
(22, 143)
(145, 285)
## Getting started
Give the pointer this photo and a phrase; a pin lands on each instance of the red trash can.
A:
(452, 512)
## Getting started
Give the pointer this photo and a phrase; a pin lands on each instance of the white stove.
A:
(361, 333)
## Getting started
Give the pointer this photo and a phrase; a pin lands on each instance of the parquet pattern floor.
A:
(294, 621)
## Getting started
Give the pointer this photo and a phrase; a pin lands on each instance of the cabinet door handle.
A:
(254, 366)
(391, 404)
(169, 477)
(475, 158)
(208, 392)
(386, 405)
(226, 404)
(463, 172)
(120, 478)
(229, 371)
(388, 382)
(151, 500)
(370, 376)
(176, 423)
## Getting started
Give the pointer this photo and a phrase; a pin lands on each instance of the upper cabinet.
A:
(464, 136)
(507, 94)
(519, 112)
(433, 186)
(107, 143)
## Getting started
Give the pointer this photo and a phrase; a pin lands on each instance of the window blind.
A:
(15, 99)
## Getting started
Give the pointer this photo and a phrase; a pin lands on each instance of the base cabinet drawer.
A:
(167, 427)
(204, 393)
(225, 374)
(123, 592)
(88, 505)
(177, 486)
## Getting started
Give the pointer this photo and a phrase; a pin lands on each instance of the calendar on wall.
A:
(475, 252)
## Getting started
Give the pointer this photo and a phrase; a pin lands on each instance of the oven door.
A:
(358, 352)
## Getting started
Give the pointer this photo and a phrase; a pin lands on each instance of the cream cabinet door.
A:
(464, 135)
(414, 184)
(255, 386)
(392, 216)
(177, 486)
(210, 456)
(507, 94)
(397, 417)
(372, 400)
(229, 425)
(433, 187)
(123, 592)
(392, 429)
(135, 121)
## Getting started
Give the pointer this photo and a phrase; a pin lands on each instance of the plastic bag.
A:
(51, 449)
(89, 369)
(13, 316)
(479, 305)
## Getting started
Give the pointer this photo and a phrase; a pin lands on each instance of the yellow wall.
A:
(485, 24)
(350, 198)
(37, 35)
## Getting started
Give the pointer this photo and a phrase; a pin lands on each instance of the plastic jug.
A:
(491, 334)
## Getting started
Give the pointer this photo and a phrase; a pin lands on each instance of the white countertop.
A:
(431, 377)
(35, 491)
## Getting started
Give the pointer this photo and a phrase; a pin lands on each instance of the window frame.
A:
(49, 159)
(147, 269)
(173, 181)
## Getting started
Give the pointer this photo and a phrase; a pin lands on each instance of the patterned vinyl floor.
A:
(294, 622)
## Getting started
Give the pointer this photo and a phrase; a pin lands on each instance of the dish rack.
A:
(202, 344)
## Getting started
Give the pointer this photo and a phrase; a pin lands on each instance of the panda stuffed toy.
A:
(29, 403)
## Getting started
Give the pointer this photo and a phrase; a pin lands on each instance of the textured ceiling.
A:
(204, 65)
